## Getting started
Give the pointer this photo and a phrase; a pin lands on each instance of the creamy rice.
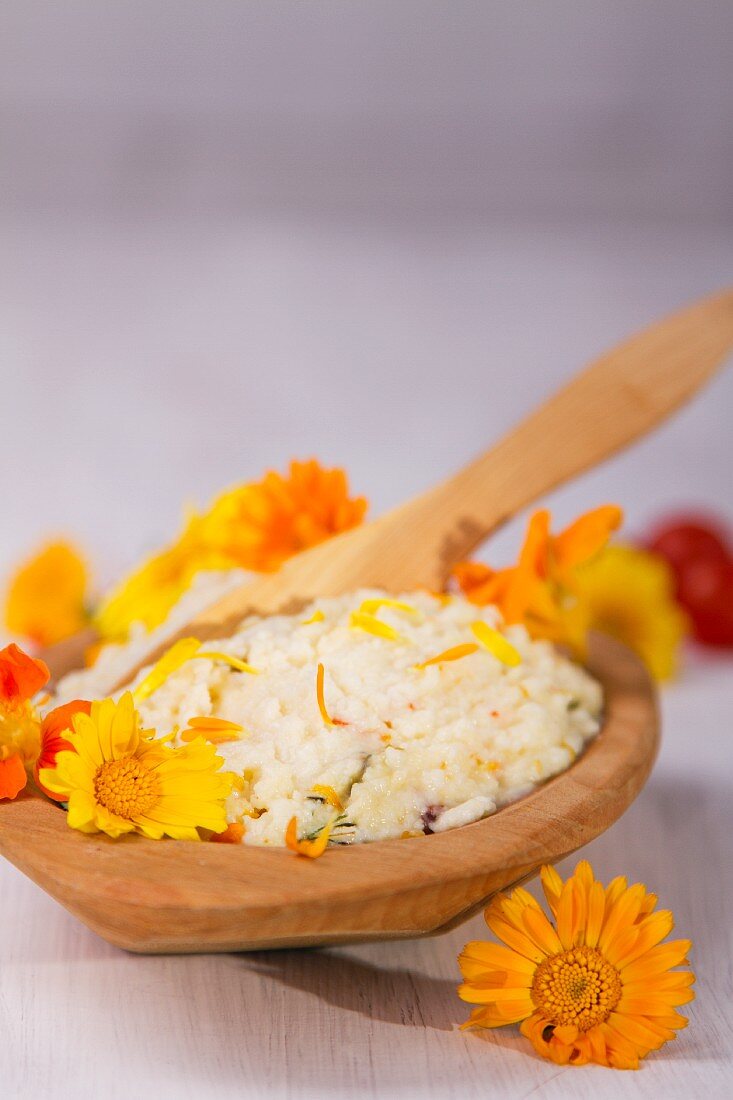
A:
(411, 750)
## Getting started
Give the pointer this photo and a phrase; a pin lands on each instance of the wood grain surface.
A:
(174, 896)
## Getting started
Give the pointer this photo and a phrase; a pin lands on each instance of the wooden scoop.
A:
(617, 399)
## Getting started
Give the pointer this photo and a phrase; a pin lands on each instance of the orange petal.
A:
(495, 956)
(320, 677)
(455, 653)
(310, 848)
(13, 776)
(512, 937)
(232, 834)
(552, 885)
(657, 960)
(623, 949)
(584, 538)
(540, 931)
(21, 676)
(596, 909)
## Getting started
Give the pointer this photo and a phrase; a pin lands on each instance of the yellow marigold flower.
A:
(46, 597)
(255, 526)
(598, 985)
(119, 780)
(629, 594)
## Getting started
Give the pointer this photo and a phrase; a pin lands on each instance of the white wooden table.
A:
(80, 1019)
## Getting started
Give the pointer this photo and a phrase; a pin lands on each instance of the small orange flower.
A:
(21, 677)
(53, 727)
(598, 985)
(260, 525)
(539, 590)
(47, 596)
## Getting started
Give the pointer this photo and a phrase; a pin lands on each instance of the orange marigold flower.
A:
(21, 677)
(53, 727)
(255, 526)
(260, 525)
(597, 985)
(47, 595)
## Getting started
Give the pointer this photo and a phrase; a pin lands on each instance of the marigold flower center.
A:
(126, 787)
(576, 987)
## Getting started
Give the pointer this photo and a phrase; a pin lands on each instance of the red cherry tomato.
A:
(706, 593)
(682, 540)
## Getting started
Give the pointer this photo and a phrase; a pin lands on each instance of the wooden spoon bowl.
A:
(173, 896)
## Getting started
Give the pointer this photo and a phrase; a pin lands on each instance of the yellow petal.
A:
(328, 794)
(173, 658)
(361, 620)
(316, 617)
(372, 606)
(496, 644)
(233, 662)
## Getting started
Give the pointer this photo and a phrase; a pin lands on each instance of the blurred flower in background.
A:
(567, 585)
(46, 599)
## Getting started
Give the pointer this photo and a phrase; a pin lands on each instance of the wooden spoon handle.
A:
(617, 399)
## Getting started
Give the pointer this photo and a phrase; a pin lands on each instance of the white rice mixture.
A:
(412, 750)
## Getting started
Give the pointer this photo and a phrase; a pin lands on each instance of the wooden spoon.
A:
(617, 399)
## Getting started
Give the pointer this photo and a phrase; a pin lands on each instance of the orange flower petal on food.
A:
(216, 730)
(312, 849)
(320, 695)
(455, 653)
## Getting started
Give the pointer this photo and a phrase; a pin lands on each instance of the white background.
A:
(377, 233)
